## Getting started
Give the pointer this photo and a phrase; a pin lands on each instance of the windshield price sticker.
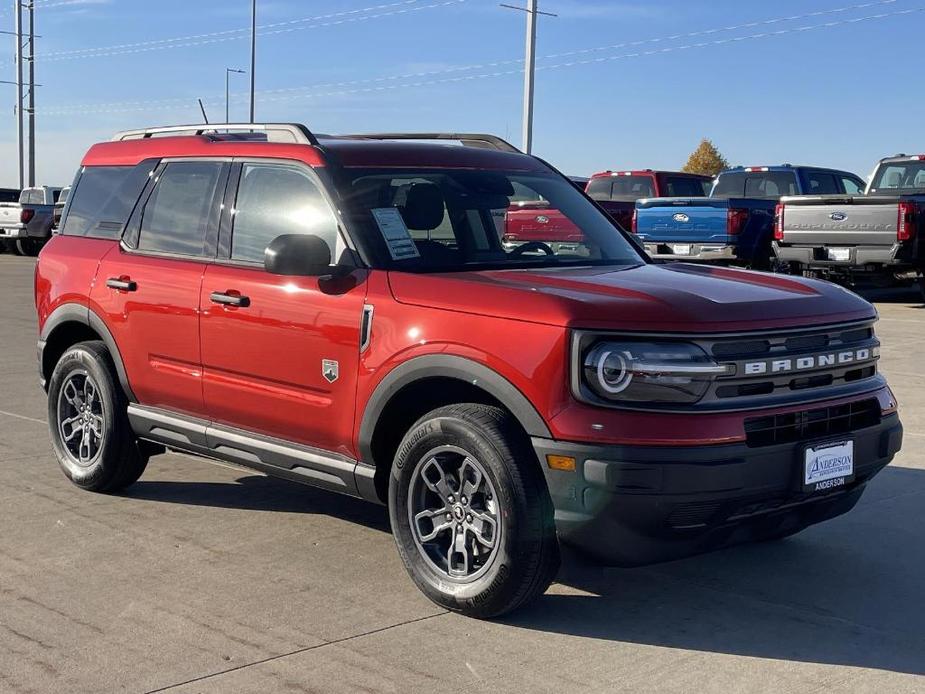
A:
(395, 232)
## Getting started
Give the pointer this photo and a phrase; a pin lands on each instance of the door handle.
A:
(123, 285)
(229, 299)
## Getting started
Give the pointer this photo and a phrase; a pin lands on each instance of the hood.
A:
(663, 298)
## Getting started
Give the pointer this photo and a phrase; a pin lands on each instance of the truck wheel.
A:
(28, 246)
(10, 245)
(87, 414)
(471, 513)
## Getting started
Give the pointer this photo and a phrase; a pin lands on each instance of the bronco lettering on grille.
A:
(786, 365)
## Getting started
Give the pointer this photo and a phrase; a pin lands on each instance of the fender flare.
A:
(78, 313)
(447, 366)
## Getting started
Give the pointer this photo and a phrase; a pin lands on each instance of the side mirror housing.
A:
(298, 255)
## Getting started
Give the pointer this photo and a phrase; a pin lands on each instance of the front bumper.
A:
(634, 505)
(696, 251)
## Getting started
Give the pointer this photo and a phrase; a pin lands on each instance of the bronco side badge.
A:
(330, 370)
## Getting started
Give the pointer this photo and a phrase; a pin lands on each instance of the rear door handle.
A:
(229, 299)
(122, 284)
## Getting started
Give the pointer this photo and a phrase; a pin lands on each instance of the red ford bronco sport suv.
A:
(340, 311)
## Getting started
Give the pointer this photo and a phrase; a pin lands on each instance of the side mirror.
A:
(298, 255)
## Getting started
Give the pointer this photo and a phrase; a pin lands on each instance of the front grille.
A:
(811, 424)
(771, 367)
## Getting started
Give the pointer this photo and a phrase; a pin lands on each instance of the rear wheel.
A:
(28, 246)
(470, 511)
(87, 414)
(10, 246)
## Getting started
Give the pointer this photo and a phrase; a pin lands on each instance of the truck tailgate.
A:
(683, 219)
(842, 221)
(9, 215)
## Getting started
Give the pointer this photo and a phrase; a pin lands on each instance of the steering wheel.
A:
(533, 246)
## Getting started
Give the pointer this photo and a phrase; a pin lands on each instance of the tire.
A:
(481, 451)
(29, 247)
(10, 245)
(85, 377)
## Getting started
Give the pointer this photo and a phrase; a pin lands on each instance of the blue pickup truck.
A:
(735, 224)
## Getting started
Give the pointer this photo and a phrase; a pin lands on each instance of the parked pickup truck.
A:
(877, 236)
(618, 191)
(59, 206)
(26, 225)
(734, 224)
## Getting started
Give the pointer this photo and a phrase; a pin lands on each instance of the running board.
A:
(269, 455)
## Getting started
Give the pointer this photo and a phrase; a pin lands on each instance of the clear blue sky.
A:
(841, 96)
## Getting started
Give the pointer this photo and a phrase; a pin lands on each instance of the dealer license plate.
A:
(840, 254)
(828, 466)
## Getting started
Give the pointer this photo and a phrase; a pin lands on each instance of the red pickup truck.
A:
(618, 191)
(340, 311)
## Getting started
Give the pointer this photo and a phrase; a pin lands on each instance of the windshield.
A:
(448, 220)
(899, 177)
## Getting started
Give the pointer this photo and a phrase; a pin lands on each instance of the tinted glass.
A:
(9, 195)
(766, 184)
(464, 220)
(103, 198)
(852, 185)
(179, 212)
(820, 183)
(684, 187)
(274, 201)
(32, 196)
(903, 176)
(632, 187)
(600, 188)
(63, 195)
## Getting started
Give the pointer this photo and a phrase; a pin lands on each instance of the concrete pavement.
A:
(210, 578)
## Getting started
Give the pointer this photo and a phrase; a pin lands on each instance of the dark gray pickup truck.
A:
(26, 225)
(875, 238)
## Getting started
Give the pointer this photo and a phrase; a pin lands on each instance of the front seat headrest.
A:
(423, 208)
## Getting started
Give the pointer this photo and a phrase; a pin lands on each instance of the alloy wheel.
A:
(455, 514)
(80, 418)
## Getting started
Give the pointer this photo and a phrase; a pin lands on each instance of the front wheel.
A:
(87, 414)
(470, 512)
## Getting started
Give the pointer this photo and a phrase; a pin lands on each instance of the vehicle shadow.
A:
(259, 493)
(848, 592)
(892, 295)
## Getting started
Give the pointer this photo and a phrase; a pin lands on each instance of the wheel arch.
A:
(66, 326)
(420, 385)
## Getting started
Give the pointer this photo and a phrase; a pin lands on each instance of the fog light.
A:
(561, 462)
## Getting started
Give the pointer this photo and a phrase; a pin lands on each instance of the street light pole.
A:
(17, 8)
(253, 58)
(31, 108)
(533, 12)
(228, 71)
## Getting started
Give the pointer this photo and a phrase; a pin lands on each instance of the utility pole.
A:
(533, 13)
(228, 71)
(253, 59)
(17, 9)
(31, 108)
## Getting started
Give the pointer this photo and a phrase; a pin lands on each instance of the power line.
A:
(504, 73)
(405, 7)
(300, 92)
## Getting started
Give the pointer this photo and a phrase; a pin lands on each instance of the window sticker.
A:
(395, 232)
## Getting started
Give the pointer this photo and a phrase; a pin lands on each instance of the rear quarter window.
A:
(102, 199)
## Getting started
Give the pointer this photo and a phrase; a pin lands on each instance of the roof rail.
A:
(275, 132)
(479, 140)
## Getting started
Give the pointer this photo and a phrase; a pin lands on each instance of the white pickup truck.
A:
(26, 225)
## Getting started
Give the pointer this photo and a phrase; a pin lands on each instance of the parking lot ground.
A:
(209, 578)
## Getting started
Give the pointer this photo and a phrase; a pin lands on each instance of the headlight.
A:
(648, 372)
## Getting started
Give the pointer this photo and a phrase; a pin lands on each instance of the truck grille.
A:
(811, 424)
(792, 365)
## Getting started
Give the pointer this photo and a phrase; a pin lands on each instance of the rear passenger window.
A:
(103, 199)
(275, 200)
(181, 209)
(819, 183)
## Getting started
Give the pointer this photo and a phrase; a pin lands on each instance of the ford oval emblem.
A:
(542, 219)
(681, 217)
(838, 216)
